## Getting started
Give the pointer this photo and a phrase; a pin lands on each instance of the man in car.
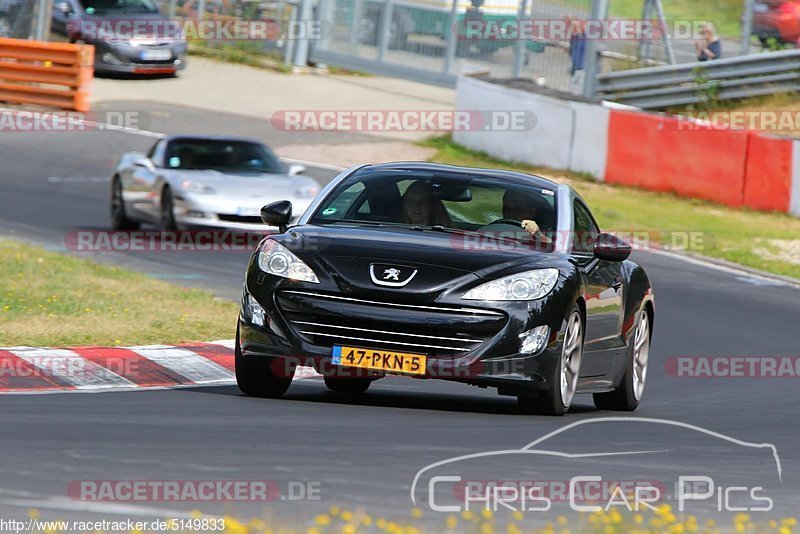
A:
(520, 207)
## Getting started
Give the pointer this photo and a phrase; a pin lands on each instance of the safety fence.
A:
(48, 74)
(622, 145)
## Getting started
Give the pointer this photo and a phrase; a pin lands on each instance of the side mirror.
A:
(277, 214)
(145, 163)
(611, 248)
(294, 170)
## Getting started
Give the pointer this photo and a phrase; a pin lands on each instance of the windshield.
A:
(102, 7)
(226, 156)
(493, 207)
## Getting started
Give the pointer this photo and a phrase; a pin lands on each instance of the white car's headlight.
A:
(197, 187)
(276, 259)
(309, 191)
(530, 285)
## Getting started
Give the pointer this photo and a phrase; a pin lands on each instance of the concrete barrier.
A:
(548, 143)
(627, 146)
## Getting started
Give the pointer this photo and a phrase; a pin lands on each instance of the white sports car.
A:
(204, 181)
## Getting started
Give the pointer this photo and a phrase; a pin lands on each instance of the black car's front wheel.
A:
(256, 377)
(629, 393)
(557, 398)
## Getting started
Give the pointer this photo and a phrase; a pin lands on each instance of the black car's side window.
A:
(585, 229)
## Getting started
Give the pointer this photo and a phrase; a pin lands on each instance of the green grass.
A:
(50, 299)
(725, 14)
(766, 241)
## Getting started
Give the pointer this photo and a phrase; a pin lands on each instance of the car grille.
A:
(251, 219)
(438, 331)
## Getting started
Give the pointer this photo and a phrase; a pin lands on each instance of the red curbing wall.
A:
(658, 153)
(768, 175)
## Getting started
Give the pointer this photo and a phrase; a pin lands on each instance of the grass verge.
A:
(50, 299)
(765, 241)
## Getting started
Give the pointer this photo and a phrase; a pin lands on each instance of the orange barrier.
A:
(768, 175)
(48, 74)
(661, 154)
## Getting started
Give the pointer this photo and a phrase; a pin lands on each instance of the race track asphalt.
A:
(365, 452)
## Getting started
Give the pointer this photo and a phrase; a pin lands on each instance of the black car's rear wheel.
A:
(119, 219)
(347, 385)
(256, 377)
(629, 393)
(557, 398)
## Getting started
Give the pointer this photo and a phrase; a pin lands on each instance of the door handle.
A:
(617, 285)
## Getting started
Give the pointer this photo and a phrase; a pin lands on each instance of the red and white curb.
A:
(88, 369)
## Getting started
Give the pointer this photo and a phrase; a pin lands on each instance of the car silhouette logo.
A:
(391, 275)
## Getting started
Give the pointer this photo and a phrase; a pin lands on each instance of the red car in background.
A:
(779, 19)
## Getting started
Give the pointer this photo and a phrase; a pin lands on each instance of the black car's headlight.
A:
(529, 285)
(274, 258)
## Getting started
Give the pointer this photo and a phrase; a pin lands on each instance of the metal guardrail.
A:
(692, 83)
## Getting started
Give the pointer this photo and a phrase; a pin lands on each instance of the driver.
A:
(521, 206)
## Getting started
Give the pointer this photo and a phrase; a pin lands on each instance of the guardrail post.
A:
(451, 38)
(354, 24)
(662, 21)
(592, 60)
(519, 44)
(288, 44)
(385, 29)
(201, 9)
(747, 26)
(171, 9)
(301, 46)
(644, 43)
(44, 10)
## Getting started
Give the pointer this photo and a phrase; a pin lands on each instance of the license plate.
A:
(378, 359)
(156, 55)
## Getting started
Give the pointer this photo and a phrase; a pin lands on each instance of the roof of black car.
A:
(437, 167)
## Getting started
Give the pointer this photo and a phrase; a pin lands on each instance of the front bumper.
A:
(211, 211)
(159, 58)
(301, 326)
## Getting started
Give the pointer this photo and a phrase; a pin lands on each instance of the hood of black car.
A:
(399, 259)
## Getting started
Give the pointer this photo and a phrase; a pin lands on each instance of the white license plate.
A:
(156, 55)
(247, 212)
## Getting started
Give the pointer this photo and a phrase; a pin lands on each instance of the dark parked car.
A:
(129, 36)
(486, 277)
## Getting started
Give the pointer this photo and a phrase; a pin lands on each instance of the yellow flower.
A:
(333, 510)
(638, 519)
(561, 520)
(451, 522)
(366, 520)
(416, 513)
(347, 515)
(518, 516)
(789, 521)
(33, 513)
(322, 520)
(513, 529)
(486, 513)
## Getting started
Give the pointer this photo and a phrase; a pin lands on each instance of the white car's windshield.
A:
(221, 155)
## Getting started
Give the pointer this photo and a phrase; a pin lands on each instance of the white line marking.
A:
(71, 368)
(327, 166)
(79, 179)
(186, 363)
(227, 343)
(724, 268)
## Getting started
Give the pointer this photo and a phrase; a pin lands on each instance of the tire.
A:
(348, 386)
(167, 211)
(629, 393)
(255, 378)
(119, 219)
(557, 399)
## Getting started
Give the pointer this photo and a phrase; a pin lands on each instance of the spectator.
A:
(710, 46)
(577, 53)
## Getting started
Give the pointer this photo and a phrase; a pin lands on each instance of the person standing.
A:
(709, 47)
(577, 54)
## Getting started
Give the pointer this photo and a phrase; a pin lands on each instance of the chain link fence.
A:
(17, 18)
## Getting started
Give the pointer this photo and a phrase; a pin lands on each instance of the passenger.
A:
(419, 206)
(187, 159)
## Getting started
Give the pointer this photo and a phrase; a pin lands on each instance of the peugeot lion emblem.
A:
(391, 275)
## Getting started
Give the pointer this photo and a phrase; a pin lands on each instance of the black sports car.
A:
(486, 277)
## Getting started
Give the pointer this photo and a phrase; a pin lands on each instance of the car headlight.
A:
(276, 259)
(530, 285)
(197, 187)
(309, 191)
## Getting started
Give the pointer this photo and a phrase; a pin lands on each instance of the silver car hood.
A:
(242, 184)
